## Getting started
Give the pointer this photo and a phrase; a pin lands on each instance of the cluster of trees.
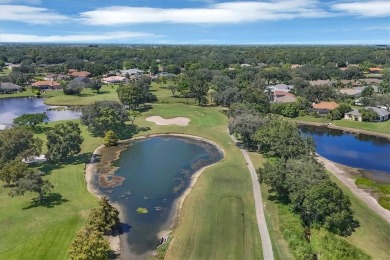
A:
(299, 180)
(19, 143)
(136, 93)
(16, 144)
(90, 242)
(103, 116)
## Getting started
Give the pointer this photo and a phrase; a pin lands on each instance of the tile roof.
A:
(326, 105)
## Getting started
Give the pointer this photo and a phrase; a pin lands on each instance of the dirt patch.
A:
(158, 120)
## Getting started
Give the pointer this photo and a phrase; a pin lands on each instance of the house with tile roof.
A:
(47, 85)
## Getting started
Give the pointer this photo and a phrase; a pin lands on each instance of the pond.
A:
(157, 171)
(11, 108)
(354, 150)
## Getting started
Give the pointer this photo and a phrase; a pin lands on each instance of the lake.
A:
(354, 150)
(11, 108)
(157, 171)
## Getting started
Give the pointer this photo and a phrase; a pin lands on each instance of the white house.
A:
(355, 115)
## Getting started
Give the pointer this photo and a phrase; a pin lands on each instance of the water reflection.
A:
(354, 150)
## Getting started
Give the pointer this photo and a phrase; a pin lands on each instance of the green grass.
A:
(26, 93)
(382, 190)
(272, 217)
(87, 96)
(4, 71)
(219, 212)
(204, 232)
(379, 127)
(45, 232)
(373, 235)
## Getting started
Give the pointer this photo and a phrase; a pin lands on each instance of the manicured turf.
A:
(222, 190)
(373, 235)
(279, 244)
(204, 232)
(87, 96)
(45, 232)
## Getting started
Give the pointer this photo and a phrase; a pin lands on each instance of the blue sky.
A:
(196, 21)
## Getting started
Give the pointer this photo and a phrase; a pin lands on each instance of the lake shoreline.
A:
(117, 243)
(345, 129)
(345, 178)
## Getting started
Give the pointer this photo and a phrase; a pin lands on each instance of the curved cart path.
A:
(264, 235)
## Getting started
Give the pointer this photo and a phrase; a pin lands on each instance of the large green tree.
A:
(105, 217)
(90, 244)
(30, 120)
(63, 141)
(18, 142)
(103, 116)
(12, 171)
(32, 181)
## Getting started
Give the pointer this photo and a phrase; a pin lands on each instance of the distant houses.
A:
(375, 70)
(323, 108)
(283, 97)
(113, 79)
(75, 73)
(355, 115)
(133, 73)
(55, 77)
(47, 85)
(81, 80)
(8, 88)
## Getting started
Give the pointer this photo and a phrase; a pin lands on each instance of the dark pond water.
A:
(157, 170)
(11, 108)
(355, 150)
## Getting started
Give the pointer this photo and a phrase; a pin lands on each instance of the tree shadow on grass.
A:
(128, 131)
(43, 128)
(48, 167)
(49, 201)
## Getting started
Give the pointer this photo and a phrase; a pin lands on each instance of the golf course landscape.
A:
(217, 219)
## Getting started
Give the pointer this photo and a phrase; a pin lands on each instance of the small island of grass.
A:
(142, 210)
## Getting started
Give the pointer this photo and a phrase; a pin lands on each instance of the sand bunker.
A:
(158, 120)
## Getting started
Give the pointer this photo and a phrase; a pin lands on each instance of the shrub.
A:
(110, 139)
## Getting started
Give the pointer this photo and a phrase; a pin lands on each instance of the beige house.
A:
(353, 115)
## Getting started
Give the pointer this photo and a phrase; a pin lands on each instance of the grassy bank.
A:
(30, 231)
(378, 127)
(217, 221)
(382, 191)
(372, 236)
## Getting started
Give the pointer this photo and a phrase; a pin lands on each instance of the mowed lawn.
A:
(218, 219)
(372, 236)
(380, 127)
(45, 232)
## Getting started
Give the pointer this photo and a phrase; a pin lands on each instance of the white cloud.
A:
(30, 14)
(365, 8)
(377, 28)
(34, 2)
(9, 37)
(228, 12)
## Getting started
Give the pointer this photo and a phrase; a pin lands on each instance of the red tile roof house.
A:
(375, 70)
(79, 74)
(47, 85)
(323, 108)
